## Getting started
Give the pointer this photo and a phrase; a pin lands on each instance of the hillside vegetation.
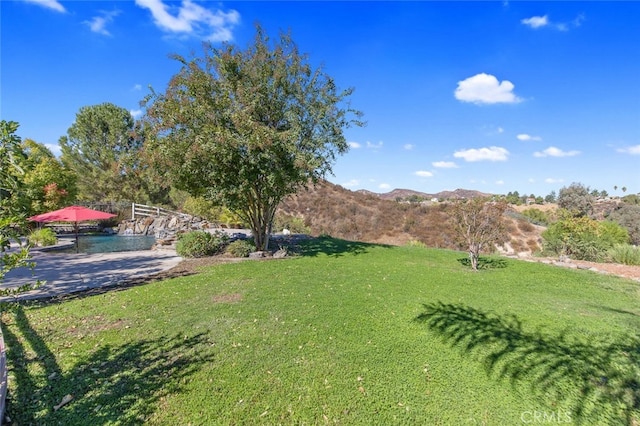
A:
(368, 217)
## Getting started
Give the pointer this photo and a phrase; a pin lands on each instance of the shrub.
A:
(625, 254)
(294, 224)
(240, 248)
(628, 215)
(42, 237)
(416, 243)
(525, 226)
(577, 199)
(199, 206)
(583, 238)
(536, 216)
(201, 243)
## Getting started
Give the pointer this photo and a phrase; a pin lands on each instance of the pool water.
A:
(111, 243)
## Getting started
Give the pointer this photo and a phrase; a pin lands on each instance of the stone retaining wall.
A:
(164, 226)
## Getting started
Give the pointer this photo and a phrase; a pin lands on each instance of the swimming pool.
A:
(111, 243)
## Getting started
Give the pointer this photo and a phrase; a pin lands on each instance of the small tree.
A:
(577, 199)
(551, 197)
(48, 184)
(246, 128)
(478, 225)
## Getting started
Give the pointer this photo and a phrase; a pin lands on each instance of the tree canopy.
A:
(100, 147)
(577, 199)
(478, 225)
(12, 206)
(48, 184)
(246, 128)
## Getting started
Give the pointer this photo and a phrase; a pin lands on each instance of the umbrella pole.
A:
(77, 247)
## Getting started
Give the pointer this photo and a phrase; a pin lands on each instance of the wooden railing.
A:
(142, 210)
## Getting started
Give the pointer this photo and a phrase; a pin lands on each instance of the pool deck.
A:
(67, 273)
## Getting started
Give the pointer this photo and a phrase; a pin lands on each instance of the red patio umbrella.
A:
(73, 214)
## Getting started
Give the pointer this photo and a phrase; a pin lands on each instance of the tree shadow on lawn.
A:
(598, 380)
(335, 247)
(116, 383)
(485, 262)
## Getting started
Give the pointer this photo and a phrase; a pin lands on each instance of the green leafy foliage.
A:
(49, 185)
(246, 128)
(42, 237)
(628, 215)
(201, 207)
(102, 148)
(12, 201)
(625, 254)
(295, 224)
(577, 199)
(583, 238)
(201, 243)
(536, 216)
(240, 248)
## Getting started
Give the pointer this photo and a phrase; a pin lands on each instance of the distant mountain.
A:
(442, 195)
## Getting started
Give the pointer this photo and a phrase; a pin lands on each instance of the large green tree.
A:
(246, 128)
(101, 148)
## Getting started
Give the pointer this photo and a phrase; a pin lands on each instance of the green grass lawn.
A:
(347, 333)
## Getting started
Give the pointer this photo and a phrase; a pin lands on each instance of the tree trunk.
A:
(473, 257)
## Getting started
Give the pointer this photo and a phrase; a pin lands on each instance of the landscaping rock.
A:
(258, 254)
(280, 254)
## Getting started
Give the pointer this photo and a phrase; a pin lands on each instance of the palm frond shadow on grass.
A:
(116, 383)
(598, 380)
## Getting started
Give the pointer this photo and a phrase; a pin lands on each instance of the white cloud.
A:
(633, 150)
(192, 19)
(485, 89)
(49, 4)
(494, 153)
(552, 151)
(500, 130)
(444, 164)
(423, 173)
(137, 87)
(536, 21)
(135, 113)
(384, 186)
(54, 148)
(354, 145)
(351, 183)
(408, 146)
(99, 23)
(499, 182)
(553, 180)
(526, 137)
(375, 146)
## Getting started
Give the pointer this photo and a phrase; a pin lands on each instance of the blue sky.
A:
(492, 96)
